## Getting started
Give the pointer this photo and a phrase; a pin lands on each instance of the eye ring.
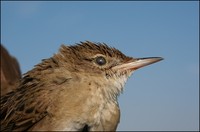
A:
(100, 60)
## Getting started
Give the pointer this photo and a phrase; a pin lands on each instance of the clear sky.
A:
(162, 96)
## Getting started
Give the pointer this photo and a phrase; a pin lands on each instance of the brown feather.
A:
(53, 86)
(10, 71)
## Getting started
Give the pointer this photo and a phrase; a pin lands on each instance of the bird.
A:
(10, 71)
(76, 89)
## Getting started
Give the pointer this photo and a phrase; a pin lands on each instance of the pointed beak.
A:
(134, 64)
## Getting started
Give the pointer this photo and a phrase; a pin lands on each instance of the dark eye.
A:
(100, 60)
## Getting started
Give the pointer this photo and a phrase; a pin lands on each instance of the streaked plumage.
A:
(69, 91)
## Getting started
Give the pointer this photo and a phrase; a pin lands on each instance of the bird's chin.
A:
(127, 73)
(120, 81)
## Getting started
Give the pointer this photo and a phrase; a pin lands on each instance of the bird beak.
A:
(134, 64)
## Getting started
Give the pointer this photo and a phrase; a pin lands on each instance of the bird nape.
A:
(75, 89)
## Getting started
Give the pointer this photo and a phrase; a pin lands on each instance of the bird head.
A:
(83, 78)
(108, 65)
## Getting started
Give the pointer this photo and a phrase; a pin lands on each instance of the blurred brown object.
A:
(10, 71)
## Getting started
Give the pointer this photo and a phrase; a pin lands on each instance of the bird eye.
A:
(100, 60)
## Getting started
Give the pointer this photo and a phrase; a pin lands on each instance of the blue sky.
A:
(162, 96)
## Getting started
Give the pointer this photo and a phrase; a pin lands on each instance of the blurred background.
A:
(162, 96)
